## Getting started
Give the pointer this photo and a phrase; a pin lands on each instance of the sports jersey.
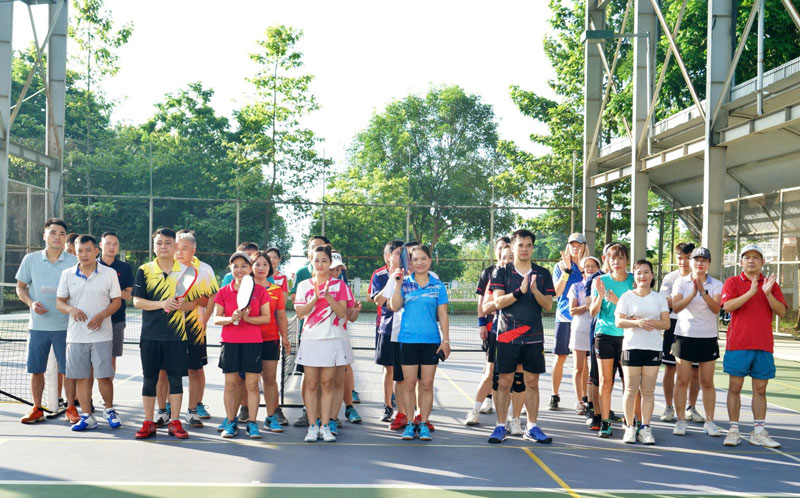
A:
(390, 324)
(153, 284)
(751, 324)
(281, 281)
(269, 331)
(696, 319)
(125, 278)
(242, 332)
(419, 310)
(484, 280)
(648, 307)
(562, 305)
(376, 284)
(322, 323)
(605, 319)
(91, 294)
(205, 287)
(521, 323)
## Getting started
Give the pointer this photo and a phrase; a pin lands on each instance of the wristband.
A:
(482, 321)
(567, 271)
(517, 294)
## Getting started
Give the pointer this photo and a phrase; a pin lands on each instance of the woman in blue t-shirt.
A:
(423, 299)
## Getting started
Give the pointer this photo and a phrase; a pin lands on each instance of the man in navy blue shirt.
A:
(109, 244)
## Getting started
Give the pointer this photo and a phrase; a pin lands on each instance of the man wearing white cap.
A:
(752, 300)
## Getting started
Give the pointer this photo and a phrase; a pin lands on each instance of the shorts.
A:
(755, 363)
(562, 338)
(238, 357)
(82, 357)
(39, 343)
(118, 338)
(397, 370)
(594, 373)
(271, 350)
(491, 345)
(530, 356)
(415, 353)
(325, 353)
(197, 354)
(608, 347)
(696, 349)
(669, 338)
(384, 353)
(164, 355)
(641, 358)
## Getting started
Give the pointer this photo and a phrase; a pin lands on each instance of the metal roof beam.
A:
(19, 151)
(760, 124)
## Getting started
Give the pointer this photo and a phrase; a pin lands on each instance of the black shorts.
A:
(271, 350)
(384, 351)
(397, 366)
(415, 353)
(641, 358)
(608, 347)
(594, 371)
(530, 356)
(198, 355)
(240, 357)
(491, 344)
(669, 338)
(164, 355)
(696, 349)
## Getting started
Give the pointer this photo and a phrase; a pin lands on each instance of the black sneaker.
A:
(554, 400)
(281, 417)
(614, 417)
(596, 423)
(387, 414)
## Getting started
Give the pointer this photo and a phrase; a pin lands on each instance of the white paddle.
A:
(245, 293)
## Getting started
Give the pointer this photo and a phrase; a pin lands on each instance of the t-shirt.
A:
(484, 280)
(420, 304)
(302, 274)
(42, 277)
(667, 284)
(322, 323)
(376, 284)
(153, 284)
(751, 324)
(392, 322)
(696, 320)
(91, 294)
(605, 319)
(648, 307)
(205, 286)
(281, 281)
(125, 277)
(242, 332)
(269, 331)
(521, 323)
(562, 305)
(582, 322)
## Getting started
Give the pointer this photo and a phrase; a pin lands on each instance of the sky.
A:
(363, 54)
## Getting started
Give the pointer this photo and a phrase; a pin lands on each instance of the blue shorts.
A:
(741, 363)
(39, 350)
(562, 338)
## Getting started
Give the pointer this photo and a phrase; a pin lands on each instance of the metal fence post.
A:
(238, 211)
(660, 245)
(780, 253)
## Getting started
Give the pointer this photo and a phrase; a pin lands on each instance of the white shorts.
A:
(325, 353)
(579, 339)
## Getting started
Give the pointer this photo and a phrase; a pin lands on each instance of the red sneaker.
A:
(418, 420)
(148, 429)
(35, 415)
(399, 423)
(72, 415)
(176, 429)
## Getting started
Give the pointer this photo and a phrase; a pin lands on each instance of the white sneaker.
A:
(312, 434)
(692, 415)
(162, 418)
(646, 436)
(327, 435)
(515, 427)
(680, 428)
(668, 415)
(762, 438)
(711, 429)
(630, 435)
(734, 438)
(473, 418)
(487, 406)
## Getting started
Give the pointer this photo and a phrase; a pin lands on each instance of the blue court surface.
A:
(47, 459)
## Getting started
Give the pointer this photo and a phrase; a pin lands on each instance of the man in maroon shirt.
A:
(751, 299)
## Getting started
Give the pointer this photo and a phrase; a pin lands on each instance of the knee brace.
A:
(495, 379)
(175, 384)
(519, 383)
(149, 386)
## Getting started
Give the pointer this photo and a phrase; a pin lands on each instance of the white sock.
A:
(477, 407)
(530, 425)
(501, 425)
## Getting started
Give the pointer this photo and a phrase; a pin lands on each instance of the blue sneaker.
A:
(356, 397)
(230, 430)
(409, 432)
(424, 432)
(112, 417)
(498, 435)
(86, 422)
(536, 434)
(272, 424)
(202, 412)
(252, 430)
(352, 415)
(334, 427)
(221, 427)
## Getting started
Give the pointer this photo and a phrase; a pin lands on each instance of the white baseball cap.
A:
(336, 261)
(751, 247)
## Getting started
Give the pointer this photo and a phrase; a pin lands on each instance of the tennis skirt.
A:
(325, 353)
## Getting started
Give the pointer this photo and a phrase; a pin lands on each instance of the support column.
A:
(645, 28)
(592, 98)
(719, 57)
(56, 80)
(6, 25)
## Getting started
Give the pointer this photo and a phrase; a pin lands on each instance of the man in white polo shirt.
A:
(89, 293)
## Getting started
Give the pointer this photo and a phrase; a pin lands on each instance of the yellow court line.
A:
(458, 388)
(552, 474)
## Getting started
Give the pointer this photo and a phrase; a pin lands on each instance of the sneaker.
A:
(193, 419)
(580, 408)
(711, 429)
(221, 427)
(313, 434)
(536, 434)
(630, 435)
(303, 420)
(72, 415)
(515, 427)
(645, 435)
(399, 422)
(112, 418)
(387, 414)
(62, 405)
(356, 397)
(668, 415)
(252, 430)
(230, 429)
(333, 426)
(202, 412)
(35, 415)
(281, 417)
(85, 423)
(409, 432)
(169, 409)
(418, 420)
(734, 438)
(394, 403)
(596, 423)
(148, 430)
(352, 415)
(424, 433)
(614, 417)
(244, 415)
(176, 429)
(162, 418)
(487, 406)
(693, 416)
(327, 435)
(473, 418)
(589, 415)
(272, 424)
(605, 430)
(761, 438)
(680, 428)
(498, 435)
(554, 400)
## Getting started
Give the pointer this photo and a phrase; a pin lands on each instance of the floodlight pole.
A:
(6, 31)
(57, 82)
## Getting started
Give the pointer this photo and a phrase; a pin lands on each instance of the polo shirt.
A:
(153, 284)
(562, 305)
(125, 278)
(667, 283)
(242, 332)
(605, 319)
(751, 324)
(42, 277)
(90, 294)
(205, 287)
(391, 322)
(521, 323)
(376, 285)
(419, 310)
(696, 320)
(277, 302)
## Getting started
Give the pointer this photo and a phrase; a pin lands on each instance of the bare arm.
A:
(263, 317)
(147, 305)
(22, 293)
(574, 309)
(127, 293)
(679, 302)
(444, 324)
(97, 320)
(397, 299)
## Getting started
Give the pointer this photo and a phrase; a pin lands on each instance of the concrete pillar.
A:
(719, 56)
(592, 98)
(645, 26)
(6, 25)
(56, 80)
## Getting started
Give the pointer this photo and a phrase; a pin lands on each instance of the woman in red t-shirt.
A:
(274, 255)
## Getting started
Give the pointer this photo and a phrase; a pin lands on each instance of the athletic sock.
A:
(489, 396)
(758, 426)
(585, 399)
(348, 406)
(501, 425)
(734, 425)
(589, 405)
(477, 407)
(530, 425)
(644, 425)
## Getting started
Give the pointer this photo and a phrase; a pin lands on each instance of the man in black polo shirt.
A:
(521, 290)
(109, 244)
